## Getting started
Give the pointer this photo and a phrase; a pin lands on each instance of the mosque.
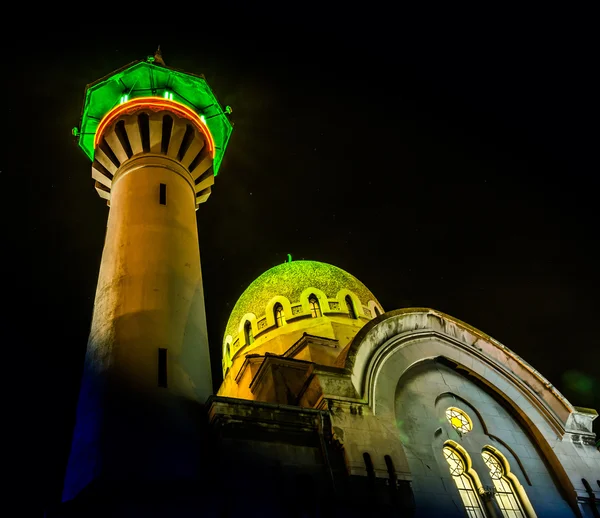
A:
(331, 405)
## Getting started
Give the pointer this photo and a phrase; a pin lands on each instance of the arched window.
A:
(377, 312)
(248, 333)
(590, 492)
(391, 469)
(464, 483)
(227, 355)
(279, 315)
(315, 308)
(350, 305)
(507, 498)
(369, 466)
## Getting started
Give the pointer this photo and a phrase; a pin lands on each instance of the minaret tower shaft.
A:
(156, 138)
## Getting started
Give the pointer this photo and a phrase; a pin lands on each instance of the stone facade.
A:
(329, 406)
(357, 426)
(385, 395)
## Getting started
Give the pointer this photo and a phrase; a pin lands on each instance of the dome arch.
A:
(375, 309)
(358, 305)
(251, 318)
(291, 284)
(270, 311)
(321, 297)
(227, 352)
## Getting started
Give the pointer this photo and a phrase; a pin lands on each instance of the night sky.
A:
(449, 170)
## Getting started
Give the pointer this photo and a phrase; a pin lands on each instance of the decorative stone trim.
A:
(307, 339)
(485, 357)
(122, 139)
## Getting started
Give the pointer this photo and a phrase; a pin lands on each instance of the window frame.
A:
(279, 314)
(351, 309)
(464, 480)
(315, 306)
(248, 334)
(505, 488)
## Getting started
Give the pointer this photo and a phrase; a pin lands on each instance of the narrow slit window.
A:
(248, 333)
(163, 194)
(167, 128)
(162, 368)
(350, 305)
(144, 126)
(390, 467)
(369, 466)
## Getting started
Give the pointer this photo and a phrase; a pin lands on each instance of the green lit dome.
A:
(290, 280)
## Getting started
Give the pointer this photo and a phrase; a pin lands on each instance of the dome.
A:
(290, 280)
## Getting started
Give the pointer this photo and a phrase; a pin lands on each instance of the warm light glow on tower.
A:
(155, 104)
(156, 137)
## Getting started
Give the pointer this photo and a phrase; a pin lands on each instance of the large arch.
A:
(385, 349)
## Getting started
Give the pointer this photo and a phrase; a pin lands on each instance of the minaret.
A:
(156, 137)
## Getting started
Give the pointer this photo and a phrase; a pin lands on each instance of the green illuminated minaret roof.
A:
(152, 78)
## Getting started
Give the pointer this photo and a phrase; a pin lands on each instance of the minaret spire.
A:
(147, 369)
(158, 57)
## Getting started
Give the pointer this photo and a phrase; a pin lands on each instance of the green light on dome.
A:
(146, 79)
(289, 280)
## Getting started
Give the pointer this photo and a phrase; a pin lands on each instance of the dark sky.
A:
(449, 169)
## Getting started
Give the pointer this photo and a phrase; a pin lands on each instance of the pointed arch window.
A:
(464, 482)
(315, 308)
(248, 333)
(279, 315)
(350, 305)
(506, 496)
